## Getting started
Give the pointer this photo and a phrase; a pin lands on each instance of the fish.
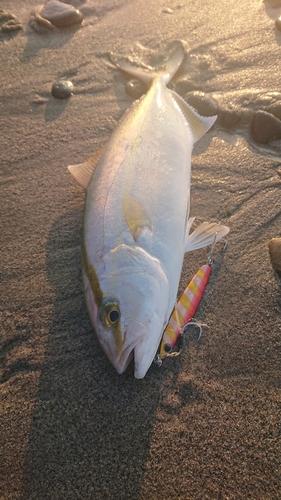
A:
(136, 227)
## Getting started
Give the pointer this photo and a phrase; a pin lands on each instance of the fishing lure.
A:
(184, 310)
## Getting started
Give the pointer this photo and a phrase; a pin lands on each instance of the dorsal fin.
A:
(136, 216)
(199, 124)
(83, 172)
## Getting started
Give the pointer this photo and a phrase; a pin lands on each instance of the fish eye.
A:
(110, 313)
(114, 315)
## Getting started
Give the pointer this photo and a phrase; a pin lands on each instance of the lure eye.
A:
(110, 313)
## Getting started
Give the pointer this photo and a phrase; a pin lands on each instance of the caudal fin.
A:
(147, 75)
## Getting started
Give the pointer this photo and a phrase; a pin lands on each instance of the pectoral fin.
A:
(83, 172)
(136, 216)
(204, 235)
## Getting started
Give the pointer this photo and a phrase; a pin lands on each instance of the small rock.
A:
(274, 247)
(229, 210)
(62, 89)
(229, 117)
(275, 109)
(75, 3)
(135, 88)
(205, 105)
(167, 10)
(278, 23)
(274, 3)
(184, 85)
(265, 127)
(60, 14)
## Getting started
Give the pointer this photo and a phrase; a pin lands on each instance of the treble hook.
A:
(193, 322)
(211, 253)
(159, 359)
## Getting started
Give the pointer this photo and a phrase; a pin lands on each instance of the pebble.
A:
(205, 105)
(229, 210)
(184, 85)
(278, 23)
(167, 10)
(75, 3)
(60, 14)
(274, 3)
(229, 117)
(62, 89)
(265, 127)
(274, 247)
(135, 88)
(275, 109)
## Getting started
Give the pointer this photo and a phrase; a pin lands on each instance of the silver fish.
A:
(136, 222)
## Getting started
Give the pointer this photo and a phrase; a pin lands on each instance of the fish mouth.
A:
(142, 348)
(122, 363)
(143, 361)
(144, 354)
(136, 333)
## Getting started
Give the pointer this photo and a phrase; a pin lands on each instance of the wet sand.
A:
(206, 425)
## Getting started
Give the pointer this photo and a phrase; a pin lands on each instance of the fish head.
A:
(128, 298)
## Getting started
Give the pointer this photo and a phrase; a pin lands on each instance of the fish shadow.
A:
(50, 40)
(54, 108)
(91, 428)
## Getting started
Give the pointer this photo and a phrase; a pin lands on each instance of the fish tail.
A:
(148, 74)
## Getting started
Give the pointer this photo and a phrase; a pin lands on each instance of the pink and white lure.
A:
(185, 309)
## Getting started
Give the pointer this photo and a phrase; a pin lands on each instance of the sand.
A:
(206, 425)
